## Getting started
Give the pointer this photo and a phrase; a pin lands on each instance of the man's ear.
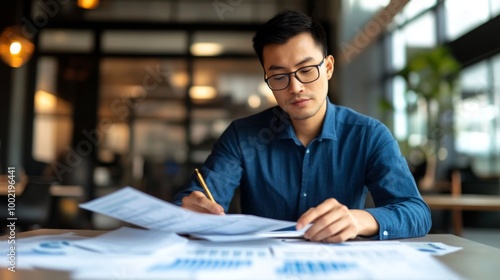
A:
(330, 66)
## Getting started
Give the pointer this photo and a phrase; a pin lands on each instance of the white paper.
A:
(281, 234)
(369, 261)
(46, 248)
(433, 248)
(127, 240)
(307, 260)
(257, 259)
(135, 207)
(56, 252)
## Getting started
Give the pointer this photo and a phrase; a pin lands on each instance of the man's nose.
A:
(295, 85)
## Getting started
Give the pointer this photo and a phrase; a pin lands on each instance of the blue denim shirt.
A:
(280, 178)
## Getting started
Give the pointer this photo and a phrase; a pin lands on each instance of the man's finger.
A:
(197, 201)
(321, 223)
(335, 226)
(314, 213)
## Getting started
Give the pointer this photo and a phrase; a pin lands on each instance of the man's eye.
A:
(279, 78)
(305, 70)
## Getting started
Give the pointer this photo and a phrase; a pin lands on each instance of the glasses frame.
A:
(294, 73)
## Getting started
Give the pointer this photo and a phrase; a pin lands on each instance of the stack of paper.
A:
(159, 253)
(138, 208)
(150, 254)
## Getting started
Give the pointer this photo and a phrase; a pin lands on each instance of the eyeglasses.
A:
(305, 75)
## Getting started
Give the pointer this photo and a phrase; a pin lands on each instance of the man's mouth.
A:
(299, 102)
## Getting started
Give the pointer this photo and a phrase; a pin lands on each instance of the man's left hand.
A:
(334, 222)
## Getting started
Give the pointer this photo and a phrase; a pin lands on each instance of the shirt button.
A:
(304, 194)
(385, 233)
(307, 151)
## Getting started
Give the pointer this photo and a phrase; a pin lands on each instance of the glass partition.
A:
(238, 90)
(52, 123)
(142, 102)
(144, 41)
(66, 40)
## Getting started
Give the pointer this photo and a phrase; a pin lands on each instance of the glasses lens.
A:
(308, 74)
(278, 82)
(305, 75)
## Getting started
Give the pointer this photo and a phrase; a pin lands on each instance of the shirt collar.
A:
(327, 132)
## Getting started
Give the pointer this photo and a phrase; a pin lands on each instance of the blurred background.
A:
(97, 95)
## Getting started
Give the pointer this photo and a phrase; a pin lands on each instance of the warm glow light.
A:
(254, 101)
(133, 91)
(15, 48)
(88, 4)
(202, 92)
(206, 49)
(45, 102)
(179, 79)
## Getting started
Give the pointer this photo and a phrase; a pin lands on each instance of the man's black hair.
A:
(285, 25)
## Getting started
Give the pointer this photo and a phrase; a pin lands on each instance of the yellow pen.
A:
(204, 185)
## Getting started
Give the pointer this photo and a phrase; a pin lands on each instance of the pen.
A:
(204, 185)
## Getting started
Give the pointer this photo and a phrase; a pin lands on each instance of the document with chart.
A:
(297, 260)
(147, 254)
(138, 208)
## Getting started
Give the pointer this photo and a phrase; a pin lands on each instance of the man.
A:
(307, 159)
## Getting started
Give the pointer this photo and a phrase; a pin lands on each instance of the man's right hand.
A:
(198, 202)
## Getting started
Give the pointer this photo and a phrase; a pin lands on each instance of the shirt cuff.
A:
(385, 222)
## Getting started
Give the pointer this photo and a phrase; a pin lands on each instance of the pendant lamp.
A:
(15, 48)
(88, 4)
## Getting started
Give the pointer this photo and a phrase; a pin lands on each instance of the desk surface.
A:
(474, 261)
(463, 202)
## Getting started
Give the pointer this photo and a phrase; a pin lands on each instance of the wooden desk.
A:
(474, 261)
(66, 191)
(463, 202)
(458, 203)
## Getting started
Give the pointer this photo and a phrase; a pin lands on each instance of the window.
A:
(495, 8)
(52, 124)
(414, 8)
(477, 117)
(64, 40)
(144, 41)
(462, 17)
(405, 43)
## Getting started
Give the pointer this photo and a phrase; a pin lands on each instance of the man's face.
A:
(300, 101)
